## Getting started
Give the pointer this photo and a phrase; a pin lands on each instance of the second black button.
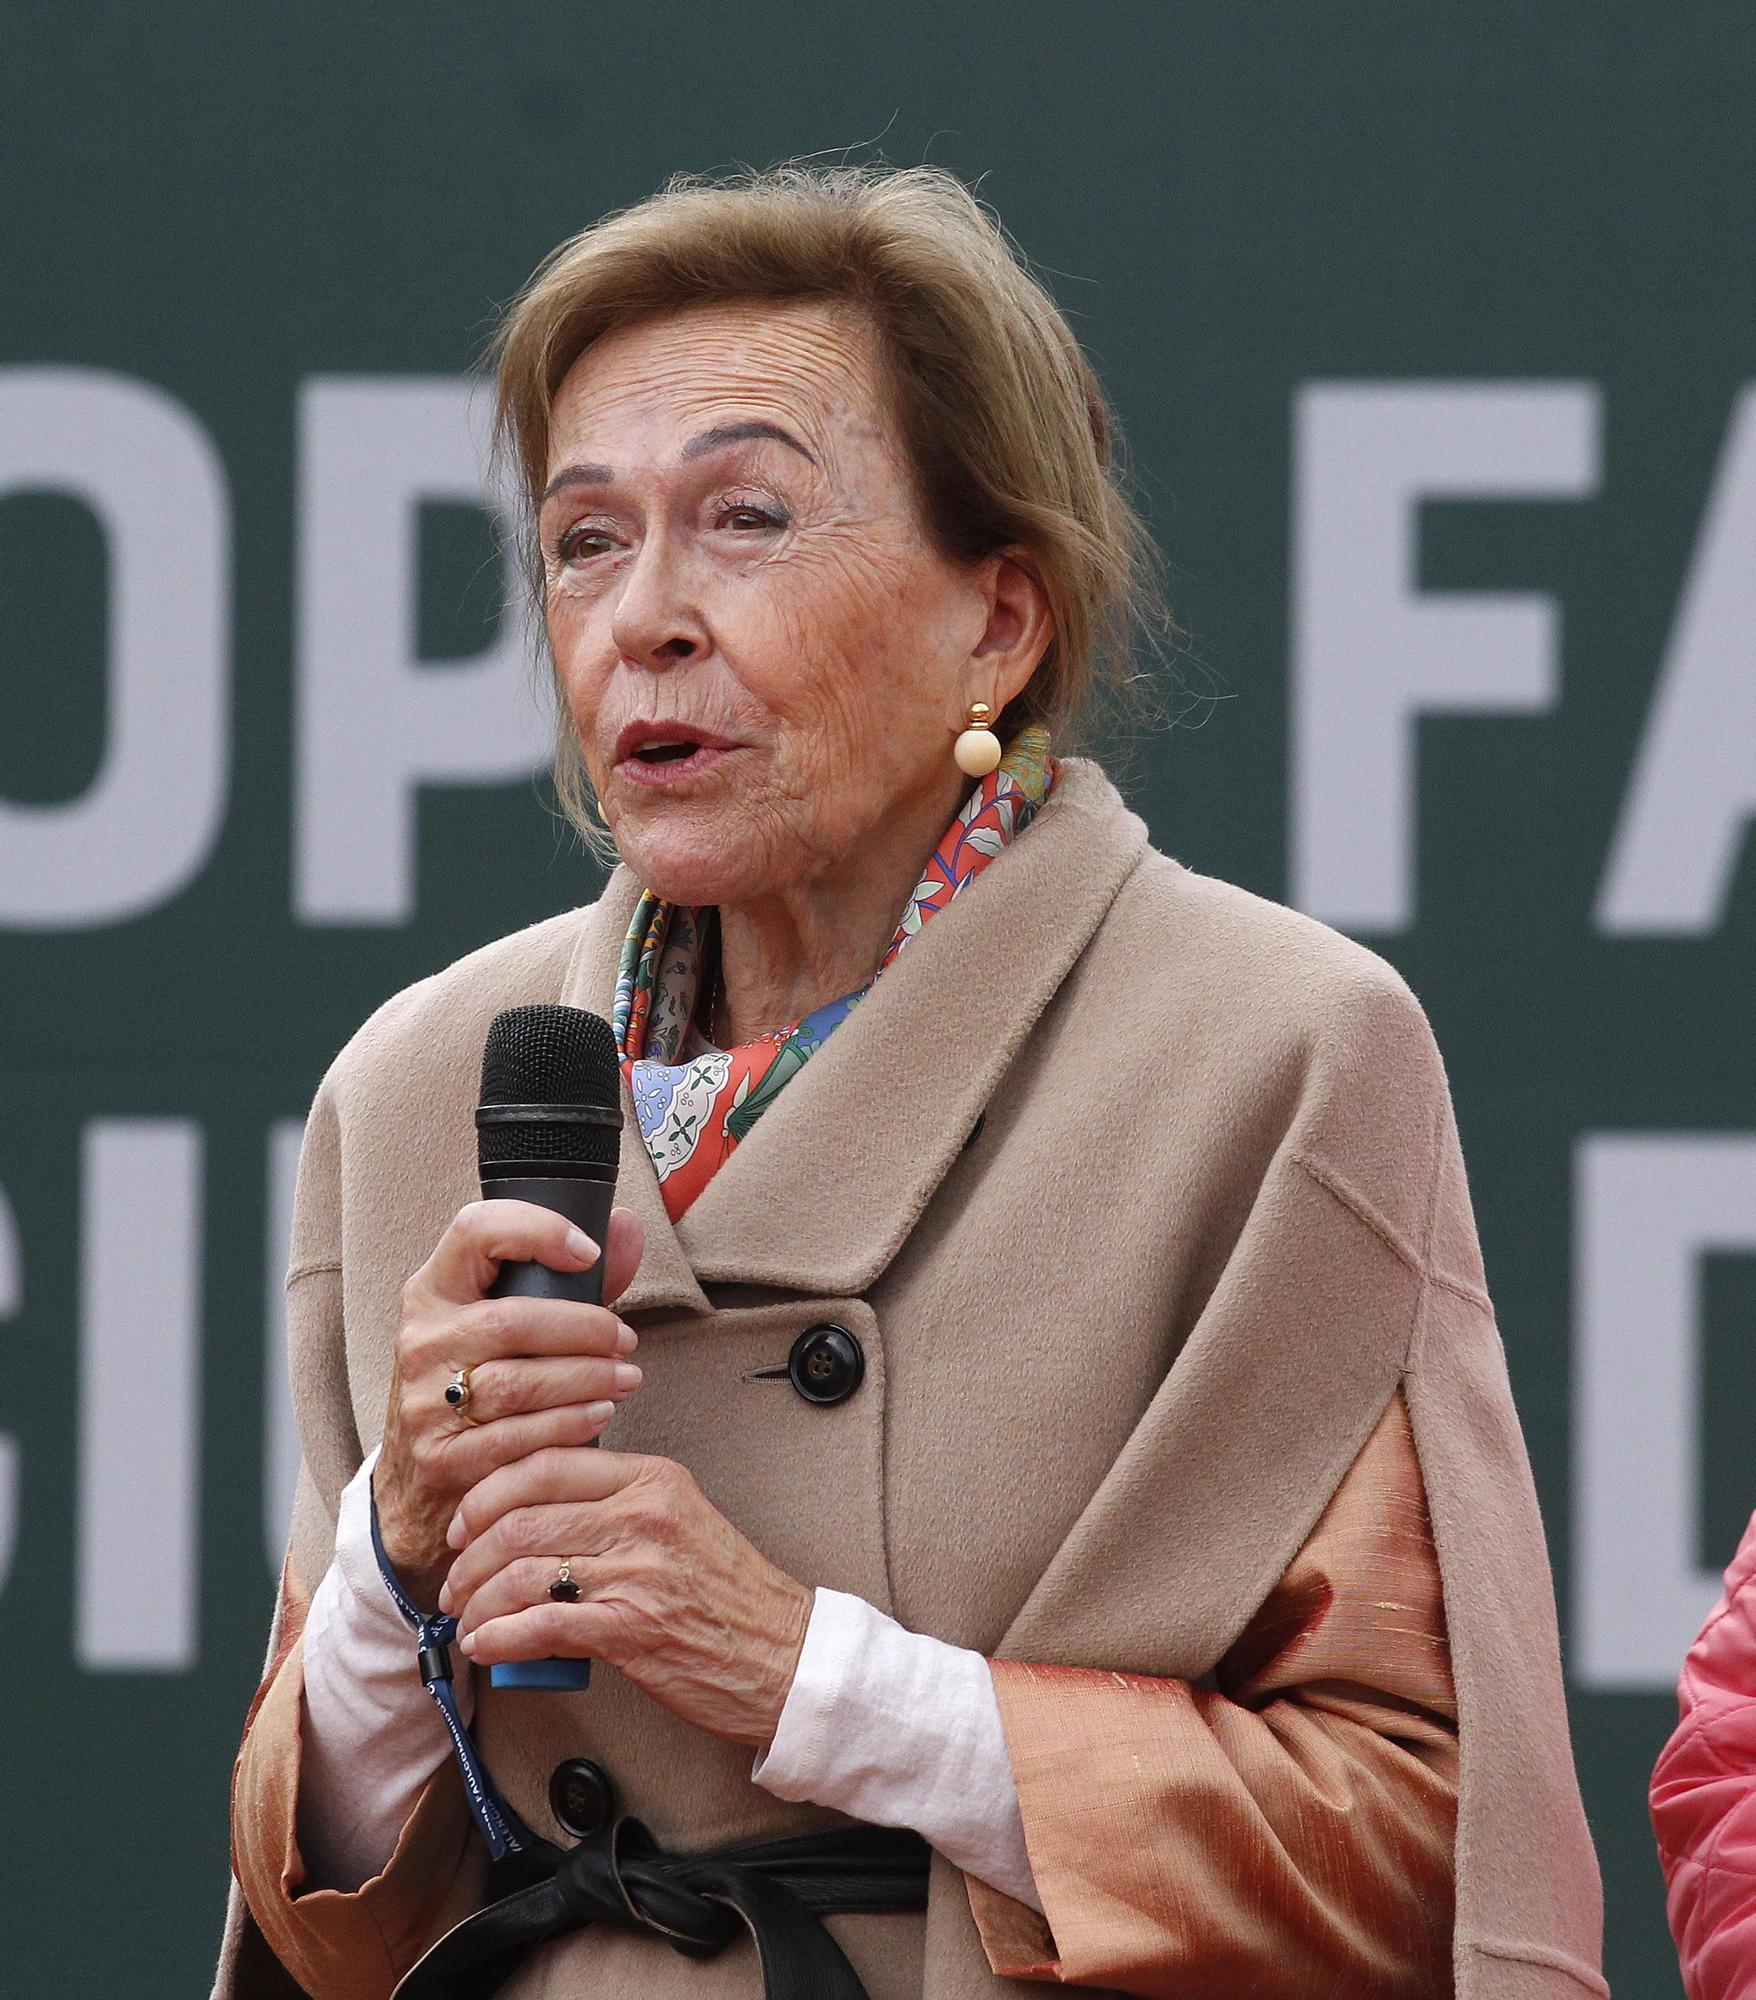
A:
(582, 1797)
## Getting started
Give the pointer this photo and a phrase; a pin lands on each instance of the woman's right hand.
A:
(542, 1371)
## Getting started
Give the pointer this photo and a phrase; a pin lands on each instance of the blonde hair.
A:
(1006, 428)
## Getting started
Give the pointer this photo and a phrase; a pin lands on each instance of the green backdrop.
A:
(1428, 327)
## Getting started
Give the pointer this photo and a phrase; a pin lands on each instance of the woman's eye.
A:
(750, 520)
(582, 542)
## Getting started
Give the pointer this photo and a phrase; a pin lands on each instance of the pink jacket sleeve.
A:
(1704, 1797)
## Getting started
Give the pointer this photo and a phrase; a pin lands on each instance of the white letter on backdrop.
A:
(1370, 652)
(149, 473)
(139, 1395)
(1647, 1208)
(374, 723)
(1694, 788)
(281, 1449)
(11, 1301)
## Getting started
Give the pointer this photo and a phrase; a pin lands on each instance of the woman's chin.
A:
(690, 858)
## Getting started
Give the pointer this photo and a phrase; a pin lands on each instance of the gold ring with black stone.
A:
(457, 1393)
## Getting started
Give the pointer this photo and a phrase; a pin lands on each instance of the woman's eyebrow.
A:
(698, 446)
(724, 434)
(576, 475)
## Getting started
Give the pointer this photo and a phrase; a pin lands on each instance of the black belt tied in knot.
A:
(776, 1891)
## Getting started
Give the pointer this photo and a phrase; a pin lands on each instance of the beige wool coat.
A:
(1144, 1199)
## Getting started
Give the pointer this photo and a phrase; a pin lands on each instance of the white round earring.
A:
(977, 750)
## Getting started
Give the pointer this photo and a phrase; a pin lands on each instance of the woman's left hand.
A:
(670, 1593)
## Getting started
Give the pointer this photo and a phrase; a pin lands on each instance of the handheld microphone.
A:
(548, 1130)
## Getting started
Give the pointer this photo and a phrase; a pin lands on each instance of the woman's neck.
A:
(786, 954)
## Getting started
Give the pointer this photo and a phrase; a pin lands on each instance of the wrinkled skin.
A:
(674, 1596)
(782, 596)
(542, 1371)
(792, 603)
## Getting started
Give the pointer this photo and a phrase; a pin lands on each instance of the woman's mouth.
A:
(655, 754)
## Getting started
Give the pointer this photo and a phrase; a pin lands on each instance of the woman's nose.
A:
(656, 619)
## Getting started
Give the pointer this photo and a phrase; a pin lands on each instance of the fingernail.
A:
(627, 1375)
(581, 1246)
(627, 1340)
(600, 1413)
(445, 1597)
(468, 1642)
(454, 1534)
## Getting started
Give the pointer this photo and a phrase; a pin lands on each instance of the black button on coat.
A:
(582, 1797)
(827, 1364)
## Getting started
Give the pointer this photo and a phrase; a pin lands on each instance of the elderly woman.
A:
(1066, 1522)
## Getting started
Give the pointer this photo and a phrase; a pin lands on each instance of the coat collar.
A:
(664, 1281)
(824, 1192)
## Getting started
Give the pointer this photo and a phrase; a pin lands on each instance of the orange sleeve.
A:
(1286, 1834)
(352, 1946)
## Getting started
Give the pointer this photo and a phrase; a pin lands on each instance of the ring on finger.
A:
(458, 1392)
(564, 1590)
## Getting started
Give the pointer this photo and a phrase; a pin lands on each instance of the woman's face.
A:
(765, 657)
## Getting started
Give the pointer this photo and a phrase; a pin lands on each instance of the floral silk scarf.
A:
(695, 1103)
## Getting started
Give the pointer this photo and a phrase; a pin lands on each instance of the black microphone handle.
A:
(584, 1202)
(587, 1203)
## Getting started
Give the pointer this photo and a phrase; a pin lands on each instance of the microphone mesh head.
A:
(550, 1056)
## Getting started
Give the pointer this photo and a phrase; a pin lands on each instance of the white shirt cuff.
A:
(900, 1729)
(373, 1736)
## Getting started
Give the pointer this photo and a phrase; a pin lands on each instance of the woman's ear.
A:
(1020, 626)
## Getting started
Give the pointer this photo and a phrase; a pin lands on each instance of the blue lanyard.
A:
(501, 1827)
